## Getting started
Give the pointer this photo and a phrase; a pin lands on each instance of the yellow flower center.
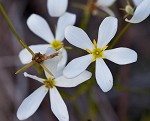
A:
(97, 52)
(49, 83)
(56, 44)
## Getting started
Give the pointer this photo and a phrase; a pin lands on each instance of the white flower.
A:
(57, 8)
(58, 106)
(97, 52)
(141, 12)
(137, 2)
(104, 5)
(52, 64)
(40, 27)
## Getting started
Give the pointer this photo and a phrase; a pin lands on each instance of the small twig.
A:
(45, 68)
(25, 67)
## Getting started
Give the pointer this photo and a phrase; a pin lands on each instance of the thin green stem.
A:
(20, 41)
(25, 46)
(25, 67)
(8, 21)
(40, 70)
(46, 69)
(119, 35)
(13, 29)
(86, 14)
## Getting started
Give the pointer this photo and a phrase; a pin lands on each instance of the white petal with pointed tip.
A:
(40, 27)
(78, 38)
(103, 75)
(31, 103)
(121, 55)
(58, 106)
(57, 8)
(105, 3)
(137, 2)
(25, 57)
(64, 21)
(107, 31)
(66, 82)
(34, 77)
(141, 13)
(63, 59)
(51, 63)
(77, 66)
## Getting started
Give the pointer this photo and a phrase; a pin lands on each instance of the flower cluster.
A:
(141, 12)
(55, 64)
(52, 56)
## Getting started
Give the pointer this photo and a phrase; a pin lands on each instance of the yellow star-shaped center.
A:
(97, 52)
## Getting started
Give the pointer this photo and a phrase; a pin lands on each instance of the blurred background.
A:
(129, 100)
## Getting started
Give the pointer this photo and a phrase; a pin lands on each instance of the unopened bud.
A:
(129, 10)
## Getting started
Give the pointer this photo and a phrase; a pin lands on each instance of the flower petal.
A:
(77, 66)
(66, 82)
(105, 3)
(52, 63)
(141, 13)
(57, 8)
(62, 62)
(78, 38)
(121, 55)
(40, 27)
(34, 77)
(25, 57)
(107, 31)
(137, 2)
(59, 72)
(64, 21)
(63, 59)
(58, 106)
(31, 103)
(103, 75)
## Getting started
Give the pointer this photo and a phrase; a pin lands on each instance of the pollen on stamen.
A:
(95, 44)
(89, 51)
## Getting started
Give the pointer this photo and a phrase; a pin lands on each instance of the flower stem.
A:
(25, 67)
(119, 35)
(46, 69)
(39, 70)
(21, 42)
(13, 30)
(86, 14)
